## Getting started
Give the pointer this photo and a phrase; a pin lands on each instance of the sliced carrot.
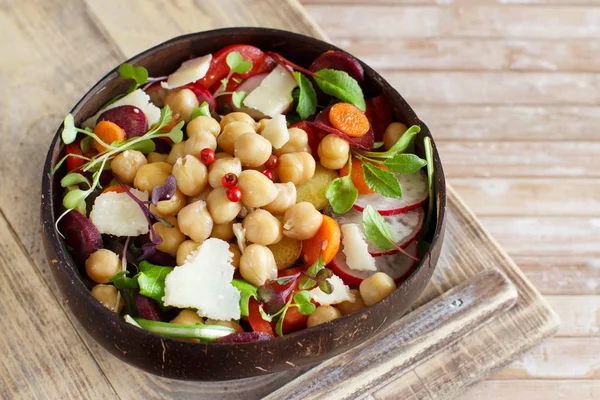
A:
(349, 119)
(74, 163)
(358, 177)
(108, 132)
(115, 188)
(326, 242)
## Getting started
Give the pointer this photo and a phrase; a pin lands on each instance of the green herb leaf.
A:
(405, 163)
(430, 178)
(313, 270)
(237, 98)
(176, 134)
(121, 281)
(151, 279)
(401, 146)
(264, 315)
(203, 110)
(383, 182)
(206, 333)
(307, 97)
(74, 178)
(69, 133)
(246, 291)
(325, 287)
(341, 86)
(279, 324)
(145, 146)
(341, 194)
(302, 300)
(74, 198)
(138, 74)
(237, 64)
(86, 144)
(323, 274)
(376, 229)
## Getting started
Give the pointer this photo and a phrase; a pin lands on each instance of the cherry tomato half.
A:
(256, 321)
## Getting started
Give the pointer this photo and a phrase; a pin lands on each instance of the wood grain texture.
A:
(534, 390)
(562, 274)
(580, 315)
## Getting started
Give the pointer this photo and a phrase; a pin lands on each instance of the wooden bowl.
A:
(211, 361)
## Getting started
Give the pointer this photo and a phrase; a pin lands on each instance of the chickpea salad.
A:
(243, 197)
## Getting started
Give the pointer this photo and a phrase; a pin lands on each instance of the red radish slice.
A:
(414, 193)
(405, 227)
(247, 86)
(397, 265)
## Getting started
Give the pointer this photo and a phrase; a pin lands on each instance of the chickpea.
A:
(187, 317)
(302, 221)
(170, 208)
(333, 151)
(157, 157)
(393, 133)
(323, 314)
(202, 196)
(257, 189)
(203, 124)
(185, 249)
(230, 324)
(218, 169)
(126, 165)
(101, 265)
(286, 198)
(296, 168)
(376, 287)
(107, 295)
(297, 143)
(257, 264)
(260, 126)
(182, 102)
(150, 175)
(171, 237)
(230, 133)
(222, 154)
(221, 208)
(223, 231)
(199, 141)
(349, 307)
(252, 149)
(238, 117)
(262, 228)
(191, 175)
(237, 254)
(177, 151)
(195, 221)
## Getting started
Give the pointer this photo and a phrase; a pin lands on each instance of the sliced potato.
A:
(286, 252)
(314, 189)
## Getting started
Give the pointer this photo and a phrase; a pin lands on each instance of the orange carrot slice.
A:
(115, 188)
(108, 132)
(349, 119)
(326, 242)
(358, 177)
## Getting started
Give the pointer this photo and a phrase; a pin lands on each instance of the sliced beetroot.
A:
(415, 191)
(405, 227)
(81, 235)
(130, 118)
(396, 265)
(203, 95)
(322, 127)
(335, 59)
(162, 146)
(163, 259)
(379, 113)
(147, 308)
(244, 337)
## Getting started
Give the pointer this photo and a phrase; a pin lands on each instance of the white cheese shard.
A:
(276, 131)
(138, 98)
(203, 282)
(189, 71)
(118, 214)
(356, 249)
(274, 94)
(341, 292)
(240, 235)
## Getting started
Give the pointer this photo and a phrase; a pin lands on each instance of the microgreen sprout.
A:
(378, 231)
(237, 65)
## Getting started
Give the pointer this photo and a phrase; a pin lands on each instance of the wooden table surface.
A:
(509, 88)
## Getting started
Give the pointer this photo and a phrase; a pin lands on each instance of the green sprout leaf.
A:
(151, 279)
(341, 194)
(238, 98)
(138, 74)
(74, 178)
(405, 163)
(302, 300)
(69, 133)
(383, 182)
(325, 287)
(145, 146)
(203, 110)
(86, 144)
(74, 198)
(376, 229)
(176, 134)
(401, 146)
(122, 281)
(237, 64)
(430, 177)
(313, 270)
(341, 86)
(246, 291)
(307, 97)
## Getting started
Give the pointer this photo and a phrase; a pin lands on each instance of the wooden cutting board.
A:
(435, 352)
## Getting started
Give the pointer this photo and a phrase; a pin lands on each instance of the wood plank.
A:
(579, 315)
(532, 197)
(562, 274)
(534, 390)
(475, 54)
(522, 159)
(447, 3)
(514, 123)
(506, 21)
(43, 355)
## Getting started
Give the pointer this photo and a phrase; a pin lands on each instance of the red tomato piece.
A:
(74, 163)
(256, 321)
(293, 321)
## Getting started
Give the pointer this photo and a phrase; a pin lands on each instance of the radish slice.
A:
(405, 227)
(414, 193)
(397, 265)
(247, 86)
